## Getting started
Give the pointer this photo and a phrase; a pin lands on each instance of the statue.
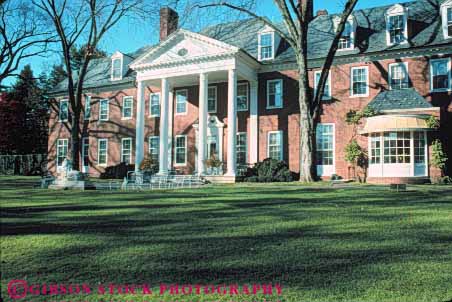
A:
(67, 166)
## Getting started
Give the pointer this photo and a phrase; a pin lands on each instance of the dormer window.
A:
(396, 25)
(347, 40)
(118, 65)
(446, 16)
(266, 46)
(116, 69)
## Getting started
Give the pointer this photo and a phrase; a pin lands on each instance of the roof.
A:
(398, 99)
(424, 27)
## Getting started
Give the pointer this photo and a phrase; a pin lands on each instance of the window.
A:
(397, 147)
(440, 75)
(241, 148)
(61, 151)
(103, 110)
(181, 150)
(398, 76)
(266, 43)
(359, 81)
(419, 147)
(85, 152)
(449, 21)
(126, 150)
(275, 145)
(154, 148)
(396, 29)
(212, 99)
(181, 101)
(242, 97)
(274, 94)
(127, 107)
(154, 104)
(325, 144)
(327, 91)
(87, 107)
(116, 69)
(345, 42)
(375, 148)
(102, 151)
(64, 111)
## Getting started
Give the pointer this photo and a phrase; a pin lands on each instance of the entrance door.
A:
(212, 147)
(85, 155)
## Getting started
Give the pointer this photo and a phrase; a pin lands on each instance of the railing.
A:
(140, 181)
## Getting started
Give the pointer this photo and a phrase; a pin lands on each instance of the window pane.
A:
(212, 99)
(242, 96)
(399, 76)
(274, 145)
(181, 101)
(241, 148)
(440, 74)
(266, 46)
(155, 104)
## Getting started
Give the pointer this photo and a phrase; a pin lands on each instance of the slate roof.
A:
(398, 99)
(424, 27)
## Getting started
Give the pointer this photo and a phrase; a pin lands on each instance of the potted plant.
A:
(213, 165)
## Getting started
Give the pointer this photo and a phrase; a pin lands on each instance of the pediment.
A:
(183, 46)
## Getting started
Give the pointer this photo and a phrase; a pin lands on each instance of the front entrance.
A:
(213, 141)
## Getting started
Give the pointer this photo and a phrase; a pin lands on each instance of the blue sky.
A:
(129, 35)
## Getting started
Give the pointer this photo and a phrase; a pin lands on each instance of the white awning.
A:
(386, 123)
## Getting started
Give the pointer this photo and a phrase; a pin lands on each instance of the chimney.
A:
(168, 22)
(322, 12)
(309, 6)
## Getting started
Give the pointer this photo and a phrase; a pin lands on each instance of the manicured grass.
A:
(321, 243)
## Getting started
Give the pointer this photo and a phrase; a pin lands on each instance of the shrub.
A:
(439, 157)
(432, 122)
(269, 170)
(117, 172)
(149, 165)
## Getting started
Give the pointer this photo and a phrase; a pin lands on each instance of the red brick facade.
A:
(285, 119)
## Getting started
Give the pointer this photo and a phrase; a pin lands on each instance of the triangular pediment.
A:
(183, 46)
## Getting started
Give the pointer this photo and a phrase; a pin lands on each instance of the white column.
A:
(232, 122)
(170, 128)
(254, 130)
(163, 160)
(139, 136)
(202, 132)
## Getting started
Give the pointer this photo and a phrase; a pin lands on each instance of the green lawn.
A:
(321, 243)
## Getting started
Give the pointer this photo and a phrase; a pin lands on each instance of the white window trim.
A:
(85, 142)
(281, 145)
(216, 99)
(149, 144)
(176, 164)
(186, 102)
(122, 109)
(247, 95)
(272, 33)
(150, 104)
(121, 60)
(108, 109)
(449, 67)
(333, 166)
(87, 101)
(397, 10)
(326, 98)
(58, 147)
(246, 145)
(390, 72)
(106, 151)
(351, 82)
(268, 93)
(122, 148)
(446, 5)
(59, 110)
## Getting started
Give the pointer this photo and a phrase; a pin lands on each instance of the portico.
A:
(189, 59)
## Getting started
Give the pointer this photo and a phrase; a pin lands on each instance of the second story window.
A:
(274, 94)
(212, 99)
(359, 81)
(398, 76)
(64, 111)
(87, 107)
(103, 110)
(127, 107)
(440, 75)
(266, 46)
(327, 90)
(154, 104)
(181, 101)
(242, 97)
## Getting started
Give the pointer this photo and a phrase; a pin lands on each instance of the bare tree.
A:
(21, 36)
(296, 18)
(85, 22)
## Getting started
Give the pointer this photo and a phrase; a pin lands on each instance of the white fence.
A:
(28, 164)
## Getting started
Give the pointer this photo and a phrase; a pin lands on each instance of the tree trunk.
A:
(75, 141)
